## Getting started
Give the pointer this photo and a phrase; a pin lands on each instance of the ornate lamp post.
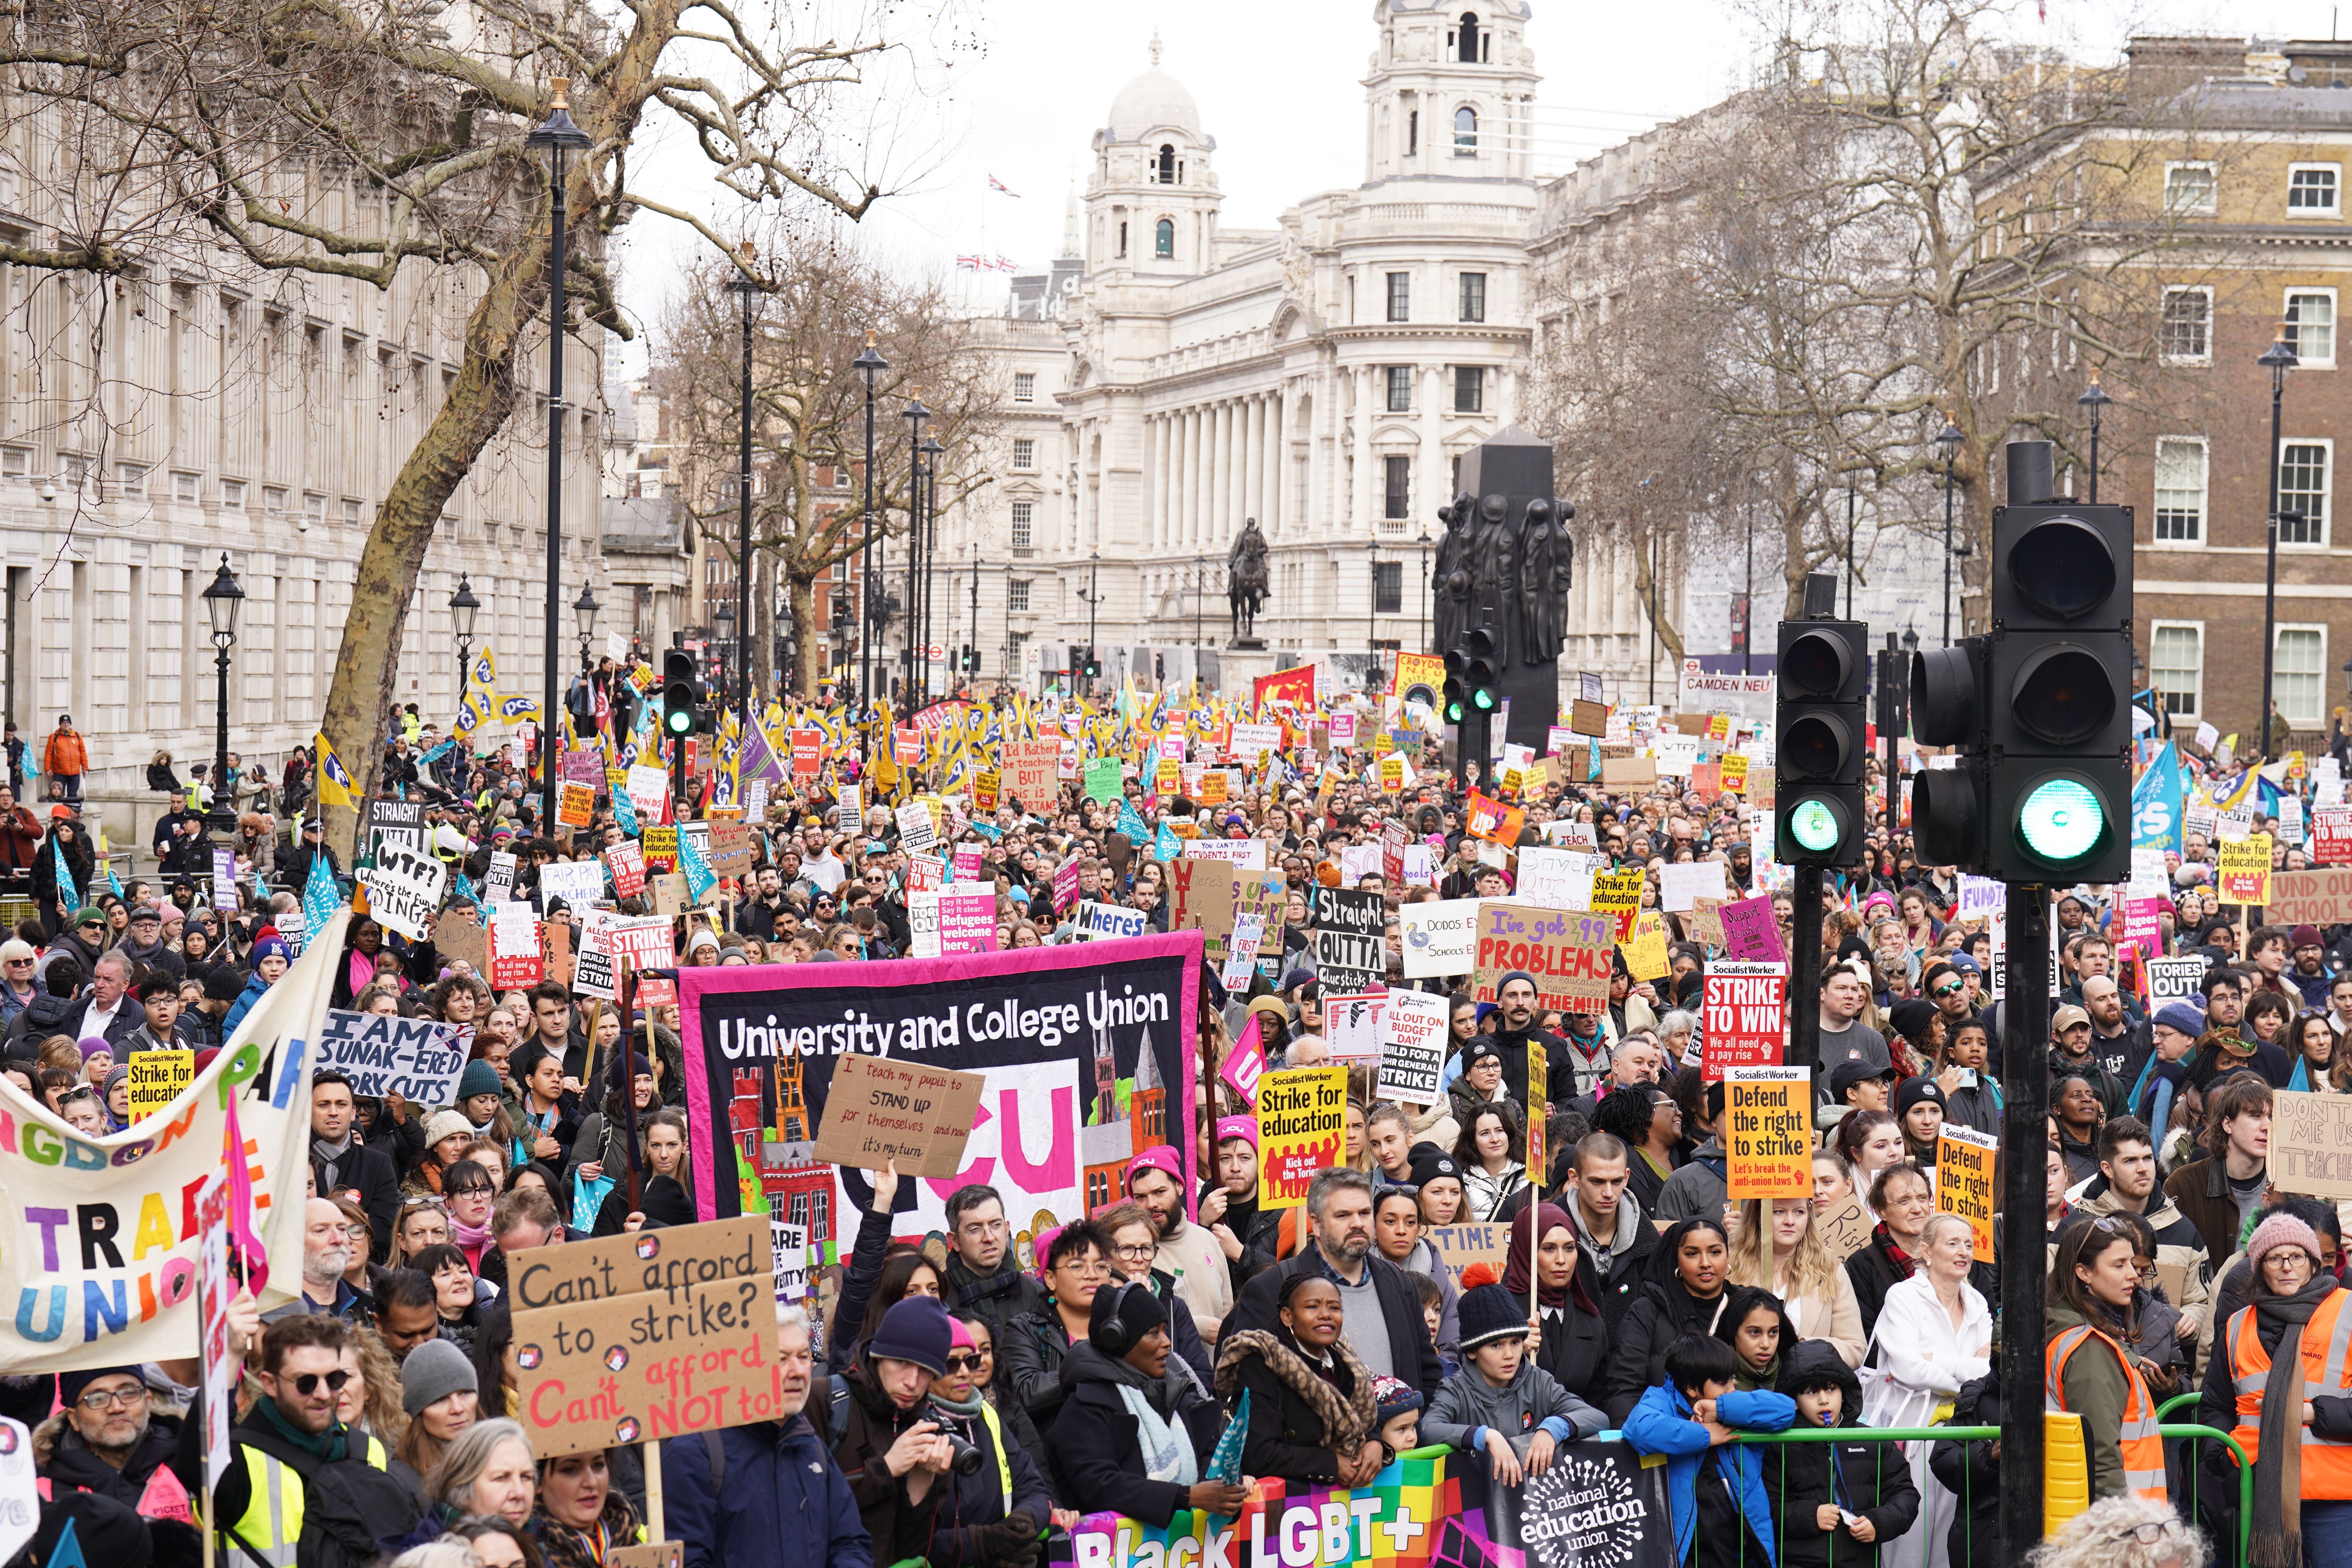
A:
(2279, 359)
(2094, 404)
(1949, 439)
(462, 608)
(558, 135)
(223, 599)
(869, 364)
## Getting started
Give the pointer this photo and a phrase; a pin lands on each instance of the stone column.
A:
(1368, 483)
(1433, 469)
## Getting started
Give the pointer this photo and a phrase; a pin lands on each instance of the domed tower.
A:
(1452, 91)
(1151, 203)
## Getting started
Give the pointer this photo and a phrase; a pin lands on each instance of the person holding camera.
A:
(891, 1444)
(995, 1507)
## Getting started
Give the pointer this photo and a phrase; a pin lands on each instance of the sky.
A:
(1279, 86)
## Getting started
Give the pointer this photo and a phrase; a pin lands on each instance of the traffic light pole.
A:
(2024, 1132)
(1805, 971)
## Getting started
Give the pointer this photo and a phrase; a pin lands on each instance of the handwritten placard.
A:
(882, 1108)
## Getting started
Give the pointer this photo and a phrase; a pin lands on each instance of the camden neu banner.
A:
(99, 1238)
(1088, 1051)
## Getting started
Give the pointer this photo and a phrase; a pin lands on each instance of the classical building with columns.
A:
(1173, 376)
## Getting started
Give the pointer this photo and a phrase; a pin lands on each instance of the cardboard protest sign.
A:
(2321, 897)
(1743, 1016)
(1200, 896)
(1682, 884)
(1301, 1124)
(651, 1554)
(1705, 922)
(1030, 772)
(1629, 774)
(1351, 1023)
(2244, 875)
(1105, 923)
(1768, 1132)
(1350, 956)
(1459, 1245)
(670, 894)
(2311, 1144)
(516, 960)
(1413, 1040)
(883, 1107)
(647, 788)
(556, 936)
(732, 853)
(459, 938)
(1646, 953)
(1102, 779)
(579, 883)
(404, 889)
(1440, 936)
(1750, 932)
(1490, 819)
(156, 1079)
(1566, 953)
(416, 1058)
(1844, 1228)
(1966, 1184)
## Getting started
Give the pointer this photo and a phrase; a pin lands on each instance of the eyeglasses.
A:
(101, 1398)
(966, 1363)
(308, 1384)
(2147, 1534)
(1954, 989)
(470, 1192)
(1139, 1250)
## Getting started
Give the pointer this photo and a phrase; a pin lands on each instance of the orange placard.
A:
(1493, 821)
(1768, 1132)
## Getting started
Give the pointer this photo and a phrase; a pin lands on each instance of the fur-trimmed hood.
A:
(1349, 1420)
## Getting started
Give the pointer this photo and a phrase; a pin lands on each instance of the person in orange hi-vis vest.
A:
(2087, 1370)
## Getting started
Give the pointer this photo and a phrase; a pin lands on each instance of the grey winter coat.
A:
(1466, 1403)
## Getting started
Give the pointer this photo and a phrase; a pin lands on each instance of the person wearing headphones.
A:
(1134, 1427)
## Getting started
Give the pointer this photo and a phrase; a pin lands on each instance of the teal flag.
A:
(700, 878)
(321, 899)
(67, 892)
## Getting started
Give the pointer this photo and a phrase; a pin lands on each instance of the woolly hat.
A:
(1394, 1397)
(2180, 1015)
(87, 914)
(225, 984)
(72, 1384)
(959, 1334)
(1135, 1306)
(1431, 1163)
(447, 1124)
(1490, 1312)
(479, 1077)
(1161, 1158)
(1246, 1127)
(915, 1331)
(433, 1371)
(2280, 1230)
(1914, 1017)
(1517, 974)
(87, 1527)
(1917, 1091)
(2303, 936)
(702, 937)
(1479, 1046)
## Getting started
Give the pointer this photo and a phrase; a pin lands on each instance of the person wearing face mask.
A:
(1684, 1294)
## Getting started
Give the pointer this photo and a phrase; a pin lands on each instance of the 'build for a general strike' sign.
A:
(1744, 1018)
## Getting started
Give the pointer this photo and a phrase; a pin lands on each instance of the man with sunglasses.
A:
(111, 1444)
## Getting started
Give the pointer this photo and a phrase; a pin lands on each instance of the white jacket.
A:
(1916, 1342)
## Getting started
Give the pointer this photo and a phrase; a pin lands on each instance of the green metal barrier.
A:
(2176, 1401)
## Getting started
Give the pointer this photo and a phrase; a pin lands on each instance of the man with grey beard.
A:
(326, 1255)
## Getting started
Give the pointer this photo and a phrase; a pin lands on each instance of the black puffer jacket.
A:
(1872, 1479)
(1970, 1470)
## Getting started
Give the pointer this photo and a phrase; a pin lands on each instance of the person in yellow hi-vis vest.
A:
(302, 1489)
(2086, 1369)
(2296, 1429)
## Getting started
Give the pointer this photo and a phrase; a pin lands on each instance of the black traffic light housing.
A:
(1091, 667)
(1821, 741)
(683, 695)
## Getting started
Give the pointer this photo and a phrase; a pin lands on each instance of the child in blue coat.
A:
(1716, 1495)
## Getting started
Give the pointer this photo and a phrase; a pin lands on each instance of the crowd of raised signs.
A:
(1430, 1289)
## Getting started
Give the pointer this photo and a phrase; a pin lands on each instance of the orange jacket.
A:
(65, 753)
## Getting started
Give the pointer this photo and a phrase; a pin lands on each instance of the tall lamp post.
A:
(723, 621)
(932, 452)
(1372, 605)
(747, 288)
(2278, 360)
(867, 364)
(1200, 592)
(558, 135)
(1094, 610)
(1425, 541)
(2094, 404)
(462, 608)
(1949, 439)
(1005, 668)
(584, 613)
(913, 413)
(223, 599)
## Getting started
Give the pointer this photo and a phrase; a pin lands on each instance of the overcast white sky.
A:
(1279, 86)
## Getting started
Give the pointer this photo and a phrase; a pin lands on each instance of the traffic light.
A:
(2041, 704)
(682, 694)
(1821, 741)
(1482, 649)
(1091, 667)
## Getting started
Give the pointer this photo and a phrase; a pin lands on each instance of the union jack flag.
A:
(1000, 188)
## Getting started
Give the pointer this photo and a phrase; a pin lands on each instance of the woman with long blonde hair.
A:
(1815, 1289)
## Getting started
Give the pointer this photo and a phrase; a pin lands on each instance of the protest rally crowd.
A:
(969, 1392)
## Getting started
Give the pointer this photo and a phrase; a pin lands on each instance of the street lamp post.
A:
(929, 598)
(723, 621)
(867, 364)
(1372, 605)
(462, 608)
(223, 599)
(558, 135)
(1094, 611)
(2278, 360)
(1200, 592)
(1425, 541)
(913, 413)
(2094, 402)
(1949, 439)
(748, 289)
(583, 611)
(1005, 667)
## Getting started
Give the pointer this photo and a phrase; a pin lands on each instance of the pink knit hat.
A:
(959, 1334)
(2282, 1230)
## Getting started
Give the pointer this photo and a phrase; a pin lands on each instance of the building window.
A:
(2191, 188)
(351, 511)
(2299, 666)
(1467, 40)
(16, 462)
(1024, 452)
(1400, 295)
(2311, 328)
(1167, 165)
(233, 494)
(1025, 387)
(1411, 132)
(2303, 488)
(1469, 389)
(187, 486)
(1474, 296)
(1163, 238)
(1024, 514)
(2176, 666)
(1399, 388)
(1398, 474)
(132, 480)
(2187, 329)
(1388, 588)
(1465, 133)
(1016, 593)
(2311, 189)
(2180, 462)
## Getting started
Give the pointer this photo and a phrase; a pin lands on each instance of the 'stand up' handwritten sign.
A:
(881, 1108)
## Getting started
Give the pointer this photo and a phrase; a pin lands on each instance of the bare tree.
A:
(821, 299)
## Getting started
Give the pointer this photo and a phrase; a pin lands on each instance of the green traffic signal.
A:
(678, 721)
(2062, 821)
(1814, 825)
(1483, 695)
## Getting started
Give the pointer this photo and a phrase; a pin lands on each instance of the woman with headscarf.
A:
(2302, 1474)
(1572, 1335)
(1684, 1294)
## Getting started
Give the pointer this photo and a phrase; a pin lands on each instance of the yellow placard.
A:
(156, 1079)
(1645, 955)
(1302, 1117)
(1966, 1165)
(2245, 875)
(1735, 771)
(1768, 1132)
(1392, 774)
(1212, 787)
(1165, 778)
(1539, 1104)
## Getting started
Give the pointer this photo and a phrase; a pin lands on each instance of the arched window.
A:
(1163, 238)
(1468, 37)
(1167, 165)
(1465, 133)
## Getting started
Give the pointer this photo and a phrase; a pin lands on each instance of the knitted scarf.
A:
(473, 1241)
(1349, 1420)
(1904, 1264)
(2278, 1466)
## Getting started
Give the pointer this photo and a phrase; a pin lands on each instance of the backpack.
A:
(348, 1506)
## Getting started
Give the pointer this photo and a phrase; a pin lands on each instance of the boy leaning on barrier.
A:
(1716, 1495)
